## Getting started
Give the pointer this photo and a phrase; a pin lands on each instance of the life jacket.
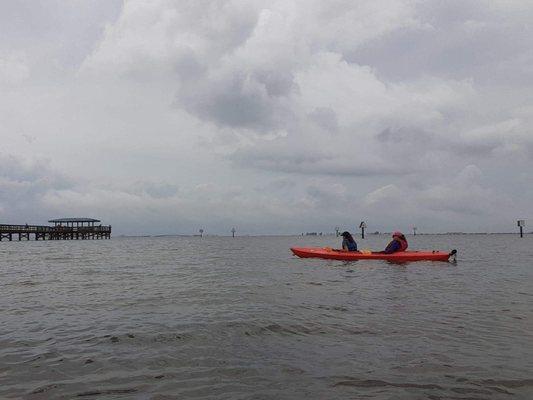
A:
(403, 243)
(352, 246)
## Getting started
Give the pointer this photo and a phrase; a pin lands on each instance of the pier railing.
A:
(45, 229)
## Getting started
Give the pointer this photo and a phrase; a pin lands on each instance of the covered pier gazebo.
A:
(78, 228)
(74, 222)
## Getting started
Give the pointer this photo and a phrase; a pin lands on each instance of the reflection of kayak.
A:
(402, 256)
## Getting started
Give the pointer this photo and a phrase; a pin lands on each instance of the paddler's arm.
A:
(393, 247)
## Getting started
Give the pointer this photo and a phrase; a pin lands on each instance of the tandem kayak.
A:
(402, 256)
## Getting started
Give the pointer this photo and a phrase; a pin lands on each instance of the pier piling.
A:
(521, 223)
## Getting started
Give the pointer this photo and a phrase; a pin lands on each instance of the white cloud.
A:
(464, 199)
(276, 115)
(13, 69)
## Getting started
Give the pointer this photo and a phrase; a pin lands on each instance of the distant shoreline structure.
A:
(317, 235)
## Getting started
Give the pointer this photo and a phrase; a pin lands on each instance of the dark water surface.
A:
(223, 318)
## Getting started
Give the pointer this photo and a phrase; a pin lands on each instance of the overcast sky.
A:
(269, 116)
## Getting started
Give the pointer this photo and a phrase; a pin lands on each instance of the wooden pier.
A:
(63, 229)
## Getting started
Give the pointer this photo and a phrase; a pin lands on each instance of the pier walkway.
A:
(63, 229)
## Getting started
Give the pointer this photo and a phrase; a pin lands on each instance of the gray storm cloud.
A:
(182, 114)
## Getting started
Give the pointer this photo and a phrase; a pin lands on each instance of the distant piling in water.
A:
(362, 225)
(521, 223)
(63, 229)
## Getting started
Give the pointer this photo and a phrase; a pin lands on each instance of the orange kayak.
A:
(402, 256)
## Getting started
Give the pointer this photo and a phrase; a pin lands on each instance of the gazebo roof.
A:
(74, 220)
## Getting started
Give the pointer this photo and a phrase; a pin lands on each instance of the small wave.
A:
(48, 356)
(356, 331)
(462, 390)
(28, 283)
(334, 308)
(106, 392)
(174, 337)
(484, 387)
(46, 388)
(251, 329)
(495, 384)
(509, 383)
(373, 383)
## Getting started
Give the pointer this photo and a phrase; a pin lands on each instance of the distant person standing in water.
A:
(398, 243)
(348, 242)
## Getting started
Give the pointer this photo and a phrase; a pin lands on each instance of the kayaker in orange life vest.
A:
(398, 243)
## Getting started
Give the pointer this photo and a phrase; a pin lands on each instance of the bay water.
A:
(242, 318)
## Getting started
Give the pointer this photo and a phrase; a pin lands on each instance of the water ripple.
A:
(223, 318)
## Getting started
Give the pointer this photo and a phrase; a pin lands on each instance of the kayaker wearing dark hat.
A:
(398, 243)
(348, 243)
